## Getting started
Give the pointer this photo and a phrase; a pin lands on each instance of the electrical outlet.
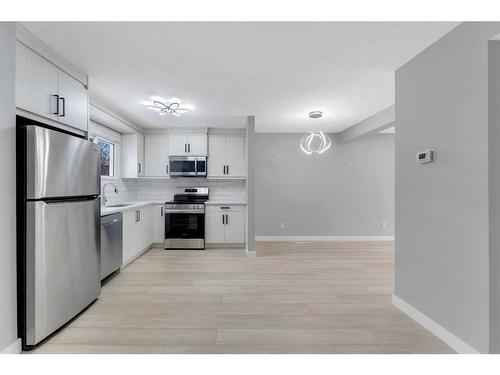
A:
(282, 225)
(384, 224)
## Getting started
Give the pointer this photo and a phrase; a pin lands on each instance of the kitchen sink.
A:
(116, 205)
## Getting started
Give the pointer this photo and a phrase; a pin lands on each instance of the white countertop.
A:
(133, 205)
(129, 206)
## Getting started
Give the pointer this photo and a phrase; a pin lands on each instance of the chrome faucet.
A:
(104, 199)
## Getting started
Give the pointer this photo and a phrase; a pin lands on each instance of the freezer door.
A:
(60, 165)
(62, 263)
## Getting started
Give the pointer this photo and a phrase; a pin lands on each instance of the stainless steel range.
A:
(185, 220)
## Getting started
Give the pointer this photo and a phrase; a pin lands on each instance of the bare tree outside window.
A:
(106, 157)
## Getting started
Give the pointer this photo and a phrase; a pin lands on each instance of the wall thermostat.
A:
(426, 156)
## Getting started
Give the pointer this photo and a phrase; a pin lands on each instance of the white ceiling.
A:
(275, 71)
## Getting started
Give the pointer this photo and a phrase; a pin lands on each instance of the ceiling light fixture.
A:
(315, 114)
(315, 142)
(173, 108)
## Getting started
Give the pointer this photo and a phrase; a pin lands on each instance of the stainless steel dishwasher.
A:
(111, 244)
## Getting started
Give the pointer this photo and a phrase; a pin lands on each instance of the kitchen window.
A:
(107, 157)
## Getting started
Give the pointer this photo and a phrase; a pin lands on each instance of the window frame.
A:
(113, 155)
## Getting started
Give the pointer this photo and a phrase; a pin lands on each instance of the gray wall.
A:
(347, 191)
(494, 190)
(442, 245)
(8, 321)
(250, 218)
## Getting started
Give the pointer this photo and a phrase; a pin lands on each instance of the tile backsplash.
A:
(163, 190)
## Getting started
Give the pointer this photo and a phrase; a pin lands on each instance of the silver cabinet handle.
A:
(227, 219)
(225, 207)
(137, 215)
(166, 168)
(227, 169)
(223, 220)
(138, 167)
(185, 148)
(161, 210)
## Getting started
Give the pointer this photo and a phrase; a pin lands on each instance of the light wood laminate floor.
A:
(326, 297)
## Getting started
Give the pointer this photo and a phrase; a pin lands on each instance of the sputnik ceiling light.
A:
(315, 142)
(173, 107)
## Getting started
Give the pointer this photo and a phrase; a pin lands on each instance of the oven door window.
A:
(184, 225)
(183, 166)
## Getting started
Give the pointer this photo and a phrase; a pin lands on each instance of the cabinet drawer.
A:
(227, 207)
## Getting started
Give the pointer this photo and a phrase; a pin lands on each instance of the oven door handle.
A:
(168, 211)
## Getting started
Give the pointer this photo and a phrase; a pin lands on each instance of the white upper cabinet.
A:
(156, 155)
(226, 156)
(197, 144)
(73, 102)
(216, 155)
(235, 156)
(177, 144)
(36, 83)
(181, 144)
(45, 90)
(132, 155)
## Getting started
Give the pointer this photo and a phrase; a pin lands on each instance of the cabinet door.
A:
(197, 144)
(73, 102)
(130, 162)
(140, 154)
(235, 156)
(177, 144)
(216, 155)
(235, 227)
(158, 224)
(146, 225)
(214, 228)
(130, 236)
(156, 155)
(36, 83)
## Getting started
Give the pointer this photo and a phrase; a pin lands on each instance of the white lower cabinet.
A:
(158, 224)
(137, 232)
(225, 224)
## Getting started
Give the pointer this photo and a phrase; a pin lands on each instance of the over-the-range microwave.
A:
(188, 166)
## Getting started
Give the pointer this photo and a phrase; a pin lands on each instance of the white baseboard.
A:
(14, 348)
(449, 338)
(324, 238)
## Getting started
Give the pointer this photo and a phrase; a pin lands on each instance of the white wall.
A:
(442, 235)
(346, 191)
(8, 301)
(494, 191)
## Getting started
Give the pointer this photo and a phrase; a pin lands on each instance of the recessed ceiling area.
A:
(276, 71)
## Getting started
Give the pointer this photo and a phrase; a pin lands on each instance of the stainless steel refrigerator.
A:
(59, 218)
